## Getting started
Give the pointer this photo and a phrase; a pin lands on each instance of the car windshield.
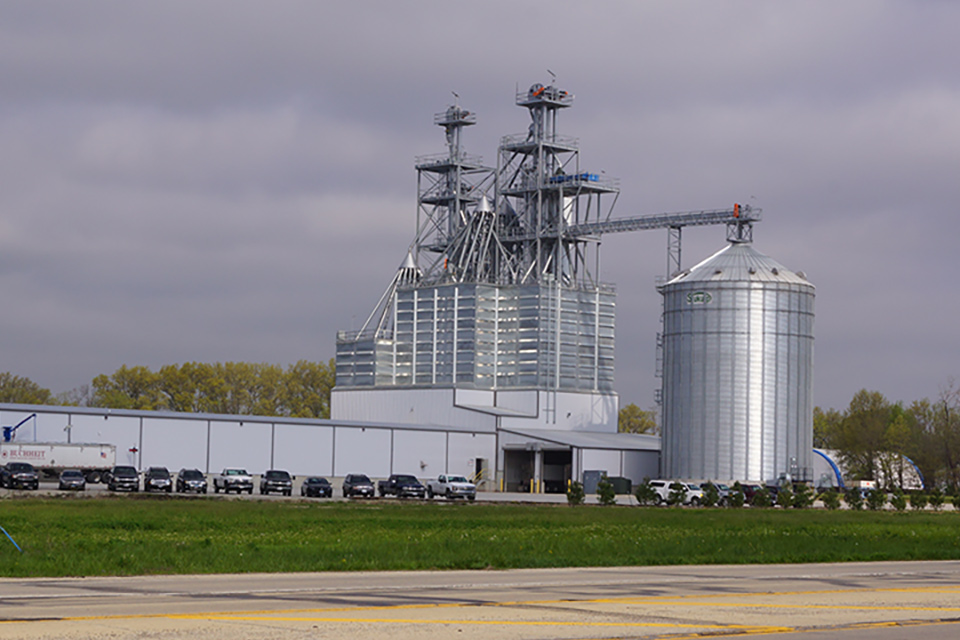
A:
(158, 473)
(20, 466)
(71, 473)
(124, 471)
(317, 481)
(410, 479)
(361, 478)
(456, 479)
(278, 475)
(191, 474)
(236, 472)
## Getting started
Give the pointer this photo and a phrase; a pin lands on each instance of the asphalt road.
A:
(848, 601)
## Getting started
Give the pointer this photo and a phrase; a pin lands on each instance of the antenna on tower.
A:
(553, 76)
(456, 97)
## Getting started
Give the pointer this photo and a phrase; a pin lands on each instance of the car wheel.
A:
(694, 502)
(287, 493)
(250, 491)
(658, 500)
(216, 489)
(471, 498)
(449, 495)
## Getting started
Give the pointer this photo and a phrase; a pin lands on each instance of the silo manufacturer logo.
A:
(699, 297)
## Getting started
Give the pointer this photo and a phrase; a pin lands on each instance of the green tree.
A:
(830, 499)
(854, 498)
(711, 495)
(575, 494)
(606, 494)
(876, 499)
(802, 496)
(898, 501)
(128, 388)
(761, 498)
(645, 494)
(918, 500)
(307, 388)
(826, 426)
(860, 439)
(17, 390)
(633, 419)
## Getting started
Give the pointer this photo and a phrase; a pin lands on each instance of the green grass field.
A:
(153, 535)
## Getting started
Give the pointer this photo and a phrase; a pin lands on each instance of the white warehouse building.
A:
(329, 448)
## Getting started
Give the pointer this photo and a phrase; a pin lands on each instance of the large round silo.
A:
(738, 369)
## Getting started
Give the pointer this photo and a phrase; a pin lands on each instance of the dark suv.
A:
(191, 480)
(123, 478)
(277, 481)
(157, 479)
(357, 484)
(19, 475)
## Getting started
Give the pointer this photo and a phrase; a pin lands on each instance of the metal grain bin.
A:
(738, 369)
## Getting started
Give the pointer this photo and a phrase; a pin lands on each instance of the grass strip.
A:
(134, 535)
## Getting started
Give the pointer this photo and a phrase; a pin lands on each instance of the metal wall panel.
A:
(303, 450)
(174, 444)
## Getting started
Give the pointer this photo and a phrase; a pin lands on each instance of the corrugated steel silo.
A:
(738, 369)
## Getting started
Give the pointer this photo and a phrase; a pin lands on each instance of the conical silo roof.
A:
(739, 262)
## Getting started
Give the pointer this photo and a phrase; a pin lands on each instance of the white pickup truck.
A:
(233, 480)
(452, 487)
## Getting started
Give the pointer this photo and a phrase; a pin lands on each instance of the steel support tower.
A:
(500, 288)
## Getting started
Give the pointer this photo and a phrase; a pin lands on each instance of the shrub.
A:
(936, 498)
(678, 494)
(735, 499)
(645, 494)
(785, 497)
(956, 501)
(761, 498)
(830, 499)
(605, 492)
(575, 494)
(802, 497)
(918, 500)
(876, 499)
(711, 495)
(898, 501)
(854, 498)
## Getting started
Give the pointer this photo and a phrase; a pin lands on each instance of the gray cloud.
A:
(233, 180)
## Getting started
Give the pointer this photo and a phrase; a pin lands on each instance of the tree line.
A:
(873, 435)
(301, 390)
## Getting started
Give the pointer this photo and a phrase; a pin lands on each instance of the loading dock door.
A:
(557, 466)
(518, 469)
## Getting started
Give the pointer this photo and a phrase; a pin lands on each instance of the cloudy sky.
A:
(233, 181)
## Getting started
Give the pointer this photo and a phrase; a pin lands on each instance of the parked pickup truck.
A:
(233, 480)
(402, 486)
(452, 487)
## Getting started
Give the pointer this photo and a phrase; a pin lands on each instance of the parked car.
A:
(72, 479)
(157, 479)
(233, 480)
(191, 480)
(276, 480)
(402, 486)
(452, 487)
(123, 478)
(315, 487)
(662, 487)
(694, 494)
(357, 484)
(19, 475)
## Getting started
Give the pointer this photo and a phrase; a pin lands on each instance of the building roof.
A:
(740, 262)
(592, 439)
